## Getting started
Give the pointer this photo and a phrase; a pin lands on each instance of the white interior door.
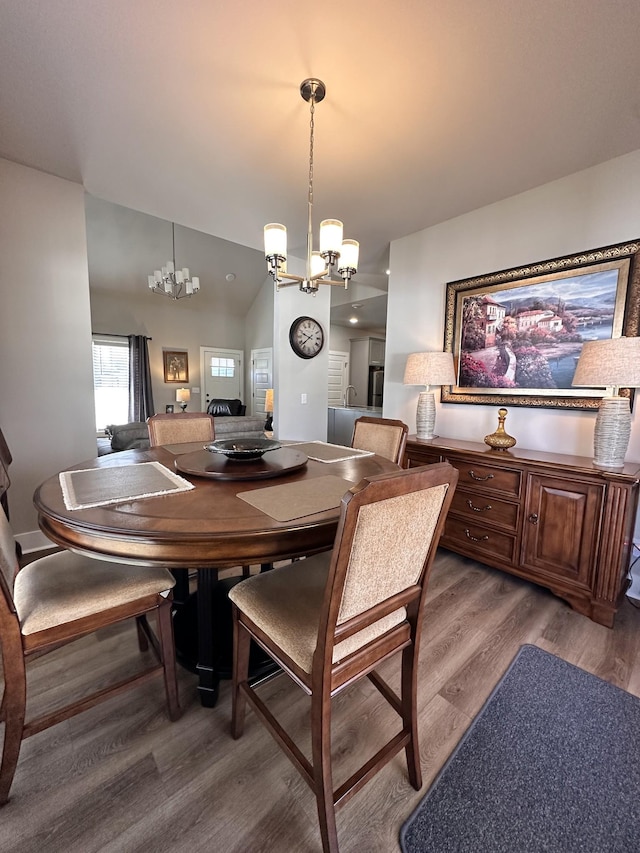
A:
(223, 374)
(261, 377)
(338, 377)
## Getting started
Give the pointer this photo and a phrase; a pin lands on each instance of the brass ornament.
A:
(500, 440)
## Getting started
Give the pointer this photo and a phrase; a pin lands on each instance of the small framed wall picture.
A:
(176, 366)
(168, 409)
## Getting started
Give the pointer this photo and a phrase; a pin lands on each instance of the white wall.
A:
(46, 384)
(294, 376)
(340, 338)
(597, 207)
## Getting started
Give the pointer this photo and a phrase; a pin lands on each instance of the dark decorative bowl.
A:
(243, 449)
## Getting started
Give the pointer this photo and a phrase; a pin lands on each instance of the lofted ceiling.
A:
(190, 111)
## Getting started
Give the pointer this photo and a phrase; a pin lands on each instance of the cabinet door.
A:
(560, 530)
(376, 351)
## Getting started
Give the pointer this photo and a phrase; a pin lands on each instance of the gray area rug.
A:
(551, 763)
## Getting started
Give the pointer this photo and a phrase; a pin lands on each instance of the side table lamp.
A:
(429, 369)
(615, 363)
(183, 395)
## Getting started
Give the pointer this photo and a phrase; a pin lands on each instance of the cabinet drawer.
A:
(475, 475)
(475, 539)
(478, 509)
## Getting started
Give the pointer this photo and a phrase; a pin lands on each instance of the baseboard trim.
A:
(34, 540)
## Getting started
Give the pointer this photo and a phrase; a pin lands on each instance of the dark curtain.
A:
(140, 393)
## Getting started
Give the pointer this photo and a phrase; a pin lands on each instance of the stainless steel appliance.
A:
(376, 386)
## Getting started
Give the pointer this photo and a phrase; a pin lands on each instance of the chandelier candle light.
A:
(610, 363)
(428, 368)
(183, 395)
(171, 282)
(334, 251)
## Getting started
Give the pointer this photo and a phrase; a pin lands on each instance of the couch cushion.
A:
(129, 436)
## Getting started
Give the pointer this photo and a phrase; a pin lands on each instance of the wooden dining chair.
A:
(62, 597)
(180, 428)
(330, 619)
(5, 460)
(385, 436)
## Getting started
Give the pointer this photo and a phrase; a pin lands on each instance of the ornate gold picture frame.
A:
(516, 334)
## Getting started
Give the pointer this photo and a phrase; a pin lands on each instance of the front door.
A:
(223, 375)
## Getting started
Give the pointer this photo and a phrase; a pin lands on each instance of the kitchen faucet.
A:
(346, 394)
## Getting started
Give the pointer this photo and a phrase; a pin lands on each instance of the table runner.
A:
(295, 500)
(320, 451)
(91, 487)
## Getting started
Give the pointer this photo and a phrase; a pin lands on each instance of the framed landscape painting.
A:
(516, 335)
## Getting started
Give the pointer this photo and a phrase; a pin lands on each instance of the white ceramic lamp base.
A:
(426, 415)
(612, 432)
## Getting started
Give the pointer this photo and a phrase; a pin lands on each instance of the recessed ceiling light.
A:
(353, 319)
(357, 305)
(388, 272)
(230, 276)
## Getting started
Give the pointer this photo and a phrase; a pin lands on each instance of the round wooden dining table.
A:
(208, 528)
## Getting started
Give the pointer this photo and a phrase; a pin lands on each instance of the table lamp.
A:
(268, 407)
(428, 368)
(183, 395)
(613, 362)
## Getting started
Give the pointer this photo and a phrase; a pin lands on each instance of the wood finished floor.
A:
(121, 777)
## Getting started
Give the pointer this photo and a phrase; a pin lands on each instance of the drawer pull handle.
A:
(533, 518)
(480, 479)
(467, 533)
(478, 508)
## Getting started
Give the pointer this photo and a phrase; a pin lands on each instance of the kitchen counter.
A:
(342, 418)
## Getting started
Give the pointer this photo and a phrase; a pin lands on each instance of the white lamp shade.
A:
(195, 281)
(349, 253)
(613, 362)
(268, 400)
(275, 240)
(152, 281)
(429, 368)
(317, 263)
(183, 395)
(330, 235)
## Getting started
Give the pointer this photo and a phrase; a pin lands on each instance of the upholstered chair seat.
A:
(47, 593)
(286, 605)
(60, 598)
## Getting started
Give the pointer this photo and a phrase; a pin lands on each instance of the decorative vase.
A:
(500, 440)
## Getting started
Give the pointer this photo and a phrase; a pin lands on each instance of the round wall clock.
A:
(306, 337)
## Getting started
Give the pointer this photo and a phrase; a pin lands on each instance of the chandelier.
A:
(171, 282)
(334, 251)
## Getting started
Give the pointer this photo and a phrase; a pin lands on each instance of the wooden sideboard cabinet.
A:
(553, 519)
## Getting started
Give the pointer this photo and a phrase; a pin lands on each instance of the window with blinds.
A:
(110, 380)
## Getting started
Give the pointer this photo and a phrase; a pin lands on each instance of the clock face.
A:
(306, 337)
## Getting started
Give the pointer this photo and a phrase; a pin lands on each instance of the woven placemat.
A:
(320, 451)
(91, 487)
(295, 500)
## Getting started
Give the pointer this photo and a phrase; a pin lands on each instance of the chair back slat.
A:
(180, 428)
(384, 436)
(389, 530)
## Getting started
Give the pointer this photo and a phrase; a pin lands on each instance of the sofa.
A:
(136, 435)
